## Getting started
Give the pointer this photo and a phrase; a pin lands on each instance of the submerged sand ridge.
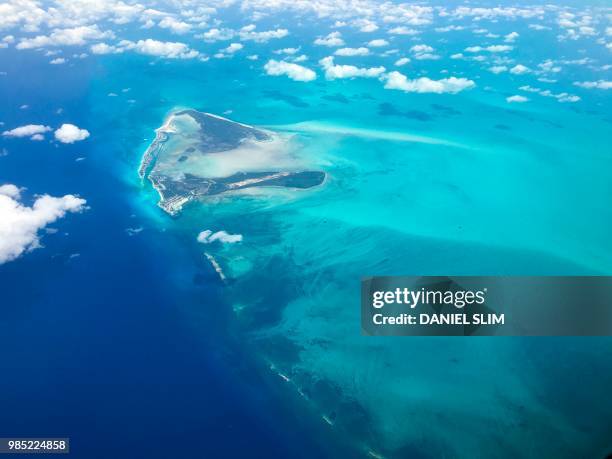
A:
(195, 154)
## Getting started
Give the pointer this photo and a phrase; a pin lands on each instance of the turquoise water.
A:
(462, 184)
(489, 189)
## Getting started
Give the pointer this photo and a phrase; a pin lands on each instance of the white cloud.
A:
(366, 25)
(519, 69)
(19, 224)
(538, 27)
(421, 49)
(517, 99)
(174, 25)
(215, 34)
(548, 66)
(352, 52)
(402, 61)
(332, 39)
(69, 133)
(564, 97)
(498, 69)
(480, 13)
(104, 48)
(333, 71)
(10, 190)
(76, 36)
(601, 84)
(57, 61)
(423, 52)
(426, 56)
(287, 51)
(453, 85)
(167, 49)
(378, 43)
(449, 28)
(294, 71)
(28, 130)
(403, 31)
(511, 37)
(208, 237)
(233, 48)
(249, 33)
(491, 49)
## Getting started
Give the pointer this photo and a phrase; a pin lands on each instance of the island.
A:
(197, 154)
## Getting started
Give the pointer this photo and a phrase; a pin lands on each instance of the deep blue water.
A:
(105, 347)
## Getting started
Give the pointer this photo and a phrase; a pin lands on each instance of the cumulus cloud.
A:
(423, 52)
(215, 34)
(511, 12)
(12, 191)
(401, 30)
(421, 49)
(561, 97)
(453, 85)
(69, 133)
(491, 49)
(233, 48)
(246, 33)
(565, 97)
(519, 69)
(601, 84)
(166, 49)
(208, 237)
(516, 99)
(402, 61)
(29, 130)
(104, 48)
(287, 51)
(426, 56)
(498, 69)
(538, 27)
(449, 28)
(352, 52)
(76, 36)
(174, 25)
(511, 37)
(20, 224)
(57, 61)
(366, 25)
(332, 39)
(333, 71)
(378, 43)
(294, 71)
(549, 66)
(249, 33)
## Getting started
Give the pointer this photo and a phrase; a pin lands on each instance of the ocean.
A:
(120, 335)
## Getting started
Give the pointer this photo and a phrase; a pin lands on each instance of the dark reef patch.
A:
(387, 109)
(287, 98)
(445, 109)
(336, 98)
